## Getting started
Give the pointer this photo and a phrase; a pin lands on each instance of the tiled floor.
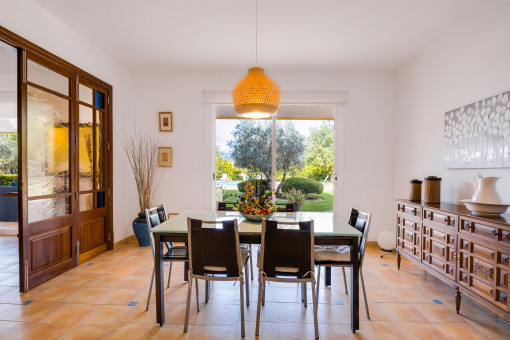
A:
(9, 277)
(106, 297)
(8, 228)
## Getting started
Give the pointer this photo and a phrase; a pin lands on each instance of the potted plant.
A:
(296, 197)
(141, 151)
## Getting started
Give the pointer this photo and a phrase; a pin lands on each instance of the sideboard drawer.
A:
(408, 236)
(438, 250)
(483, 268)
(440, 217)
(409, 210)
(485, 230)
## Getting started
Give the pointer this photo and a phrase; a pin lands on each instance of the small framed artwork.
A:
(165, 157)
(166, 122)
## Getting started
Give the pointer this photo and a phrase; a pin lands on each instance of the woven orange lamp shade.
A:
(256, 96)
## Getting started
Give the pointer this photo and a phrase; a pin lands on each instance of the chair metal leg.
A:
(318, 281)
(305, 293)
(241, 293)
(345, 281)
(206, 291)
(364, 294)
(259, 302)
(198, 301)
(251, 263)
(169, 274)
(247, 273)
(150, 291)
(315, 305)
(188, 302)
(263, 292)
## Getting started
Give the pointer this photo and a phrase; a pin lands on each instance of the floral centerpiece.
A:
(255, 203)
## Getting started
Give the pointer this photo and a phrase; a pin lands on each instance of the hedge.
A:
(240, 185)
(306, 185)
(7, 180)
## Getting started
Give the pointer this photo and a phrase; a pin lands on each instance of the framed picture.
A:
(166, 123)
(165, 157)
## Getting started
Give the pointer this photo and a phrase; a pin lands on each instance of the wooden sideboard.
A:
(470, 253)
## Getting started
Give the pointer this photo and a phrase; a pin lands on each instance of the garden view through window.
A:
(304, 160)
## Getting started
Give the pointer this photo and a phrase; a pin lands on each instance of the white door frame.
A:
(336, 98)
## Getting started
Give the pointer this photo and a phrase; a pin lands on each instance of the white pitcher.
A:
(485, 189)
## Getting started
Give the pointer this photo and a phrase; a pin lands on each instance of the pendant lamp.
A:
(256, 96)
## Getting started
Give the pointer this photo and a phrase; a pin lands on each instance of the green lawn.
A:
(326, 204)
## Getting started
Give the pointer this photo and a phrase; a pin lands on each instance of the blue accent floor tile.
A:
(167, 264)
(339, 302)
(384, 265)
(133, 303)
(90, 264)
(438, 302)
(27, 302)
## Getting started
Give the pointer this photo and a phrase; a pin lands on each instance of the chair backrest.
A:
(289, 207)
(226, 206)
(210, 246)
(287, 245)
(155, 216)
(361, 221)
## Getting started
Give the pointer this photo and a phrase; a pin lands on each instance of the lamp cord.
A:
(256, 32)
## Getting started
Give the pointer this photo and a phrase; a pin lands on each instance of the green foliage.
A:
(265, 182)
(7, 180)
(295, 196)
(320, 152)
(251, 146)
(315, 172)
(8, 153)
(326, 204)
(306, 185)
(223, 166)
(290, 145)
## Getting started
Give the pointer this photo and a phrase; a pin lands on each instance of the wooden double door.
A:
(65, 162)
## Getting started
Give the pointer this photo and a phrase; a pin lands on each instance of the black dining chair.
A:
(287, 256)
(154, 217)
(340, 256)
(215, 255)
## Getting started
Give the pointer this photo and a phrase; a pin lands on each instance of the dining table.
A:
(329, 229)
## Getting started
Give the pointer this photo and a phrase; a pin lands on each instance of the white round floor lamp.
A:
(386, 240)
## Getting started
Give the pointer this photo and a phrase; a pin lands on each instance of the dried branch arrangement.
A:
(142, 152)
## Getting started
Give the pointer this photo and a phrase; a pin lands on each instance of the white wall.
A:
(468, 63)
(367, 176)
(35, 24)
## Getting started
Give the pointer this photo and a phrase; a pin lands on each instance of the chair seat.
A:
(244, 255)
(177, 253)
(332, 253)
(244, 246)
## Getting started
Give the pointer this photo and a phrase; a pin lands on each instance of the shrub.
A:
(7, 180)
(240, 185)
(305, 185)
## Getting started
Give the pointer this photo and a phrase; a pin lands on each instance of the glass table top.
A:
(325, 223)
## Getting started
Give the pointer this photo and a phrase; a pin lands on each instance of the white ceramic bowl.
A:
(487, 209)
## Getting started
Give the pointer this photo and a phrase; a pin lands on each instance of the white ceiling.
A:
(294, 35)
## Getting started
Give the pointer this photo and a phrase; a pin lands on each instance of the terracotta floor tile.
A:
(207, 332)
(219, 315)
(107, 281)
(11, 329)
(80, 332)
(403, 312)
(338, 332)
(267, 330)
(295, 331)
(33, 312)
(69, 314)
(90, 295)
(438, 313)
(43, 331)
(174, 332)
(104, 316)
(462, 331)
(379, 330)
(420, 331)
(132, 331)
(118, 296)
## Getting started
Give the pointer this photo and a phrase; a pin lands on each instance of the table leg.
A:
(327, 277)
(354, 286)
(158, 265)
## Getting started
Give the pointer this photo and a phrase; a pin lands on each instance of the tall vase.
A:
(141, 230)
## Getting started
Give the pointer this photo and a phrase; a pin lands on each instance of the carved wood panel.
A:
(50, 248)
(438, 250)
